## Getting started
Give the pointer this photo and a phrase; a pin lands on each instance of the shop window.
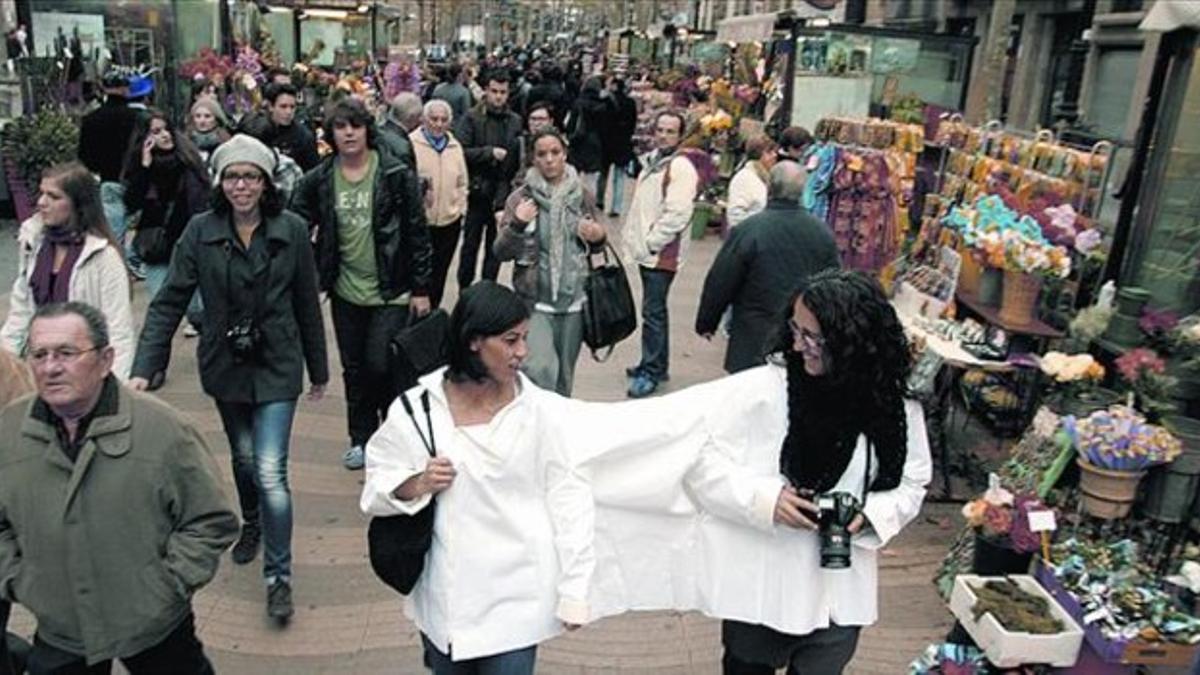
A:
(1115, 76)
(1170, 260)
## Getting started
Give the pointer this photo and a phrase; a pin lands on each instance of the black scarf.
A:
(824, 424)
(46, 285)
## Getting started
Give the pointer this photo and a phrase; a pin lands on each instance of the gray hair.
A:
(406, 108)
(97, 325)
(437, 103)
(787, 181)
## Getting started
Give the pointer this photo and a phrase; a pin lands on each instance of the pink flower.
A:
(1136, 362)
(997, 520)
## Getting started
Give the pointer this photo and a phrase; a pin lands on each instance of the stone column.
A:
(983, 97)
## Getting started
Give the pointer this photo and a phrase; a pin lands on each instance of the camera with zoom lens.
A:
(244, 339)
(837, 511)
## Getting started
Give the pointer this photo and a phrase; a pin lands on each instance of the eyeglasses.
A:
(247, 178)
(63, 354)
(810, 339)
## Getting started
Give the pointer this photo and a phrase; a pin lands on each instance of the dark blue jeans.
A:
(258, 440)
(516, 662)
(656, 336)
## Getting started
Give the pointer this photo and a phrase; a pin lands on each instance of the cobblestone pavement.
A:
(348, 622)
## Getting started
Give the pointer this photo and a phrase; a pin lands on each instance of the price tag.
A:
(1096, 615)
(1042, 521)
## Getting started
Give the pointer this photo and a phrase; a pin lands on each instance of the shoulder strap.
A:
(429, 442)
(666, 182)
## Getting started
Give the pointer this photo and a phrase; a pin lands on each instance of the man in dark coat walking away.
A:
(758, 267)
(618, 148)
(491, 138)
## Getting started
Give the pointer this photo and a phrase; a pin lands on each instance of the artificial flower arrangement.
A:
(1002, 517)
(1145, 372)
(716, 122)
(1120, 439)
(1002, 238)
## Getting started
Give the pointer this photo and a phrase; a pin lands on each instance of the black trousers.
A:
(752, 649)
(444, 239)
(363, 334)
(479, 226)
(180, 653)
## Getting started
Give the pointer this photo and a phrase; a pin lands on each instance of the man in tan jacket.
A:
(111, 511)
(442, 168)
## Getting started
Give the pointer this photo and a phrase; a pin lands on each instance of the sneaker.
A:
(636, 371)
(138, 272)
(354, 458)
(642, 386)
(190, 331)
(246, 548)
(279, 600)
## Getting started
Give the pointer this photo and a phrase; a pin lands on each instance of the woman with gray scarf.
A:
(548, 228)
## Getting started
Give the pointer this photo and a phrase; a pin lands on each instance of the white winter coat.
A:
(656, 224)
(685, 487)
(747, 195)
(99, 279)
(512, 557)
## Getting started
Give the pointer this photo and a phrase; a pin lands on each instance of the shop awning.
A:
(747, 28)
(1168, 16)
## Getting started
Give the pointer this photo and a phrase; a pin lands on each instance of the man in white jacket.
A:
(655, 228)
(748, 188)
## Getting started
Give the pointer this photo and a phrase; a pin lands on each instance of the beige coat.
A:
(443, 176)
(98, 279)
(107, 552)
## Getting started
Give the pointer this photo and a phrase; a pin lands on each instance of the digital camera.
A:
(244, 340)
(837, 511)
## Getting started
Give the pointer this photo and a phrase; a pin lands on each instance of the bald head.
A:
(406, 109)
(787, 181)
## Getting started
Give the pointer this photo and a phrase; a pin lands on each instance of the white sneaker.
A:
(354, 458)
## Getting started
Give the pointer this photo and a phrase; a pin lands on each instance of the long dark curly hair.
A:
(861, 392)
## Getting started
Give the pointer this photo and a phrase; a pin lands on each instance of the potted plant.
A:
(31, 144)
(1184, 340)
(1145, 373)
(1004, 542)
(1114, 449)
(1074, 383)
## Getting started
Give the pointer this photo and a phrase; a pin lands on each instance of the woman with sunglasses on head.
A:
(511, 557)
(252, 263)
(67, 251)
(166, 180)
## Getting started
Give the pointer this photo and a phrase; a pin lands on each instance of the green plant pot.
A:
(1123, 330)
(1130, 301)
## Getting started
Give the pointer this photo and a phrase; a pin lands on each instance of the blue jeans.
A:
(156, 278)
(516, 662)
(258, 436)
(618, 187)
(656, 335)
(112, 200)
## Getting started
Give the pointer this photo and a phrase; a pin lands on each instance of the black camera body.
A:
(837, 511)
(244, 340)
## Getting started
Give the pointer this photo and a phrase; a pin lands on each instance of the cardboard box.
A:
(1007, 649)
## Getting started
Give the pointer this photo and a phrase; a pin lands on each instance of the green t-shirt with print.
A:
(358, 278)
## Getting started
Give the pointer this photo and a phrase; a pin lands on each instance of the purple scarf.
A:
(47, 286)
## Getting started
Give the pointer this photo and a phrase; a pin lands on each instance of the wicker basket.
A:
(1018, 301)
(970, 273)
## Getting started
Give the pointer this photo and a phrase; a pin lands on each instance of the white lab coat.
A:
(511, 558)
(685, 487)
(99, 279)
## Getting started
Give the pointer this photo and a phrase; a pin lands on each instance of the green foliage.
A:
(35, 142)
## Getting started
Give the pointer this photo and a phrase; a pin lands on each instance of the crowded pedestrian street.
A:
(347, 621)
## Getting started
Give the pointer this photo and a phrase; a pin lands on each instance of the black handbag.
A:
(397, 545)
(152, 245)
(609, 314)
(419, 348)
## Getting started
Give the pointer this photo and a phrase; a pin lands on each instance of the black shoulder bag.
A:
(397, 545)
(609, 314)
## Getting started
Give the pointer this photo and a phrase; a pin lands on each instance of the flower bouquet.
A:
(1115, 447)
(1004, 540)
(1000, 237)
(1074, 380)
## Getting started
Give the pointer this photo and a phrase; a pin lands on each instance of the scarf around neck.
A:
(46, 286)
(439, 144)
(560, 208)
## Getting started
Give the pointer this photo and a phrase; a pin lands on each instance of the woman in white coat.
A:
(511, 559)
(67, 252)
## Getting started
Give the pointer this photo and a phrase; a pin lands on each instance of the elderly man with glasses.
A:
(111, 512)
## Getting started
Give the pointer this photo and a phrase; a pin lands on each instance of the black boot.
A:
(246, 548)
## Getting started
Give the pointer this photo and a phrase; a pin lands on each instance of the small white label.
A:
(1042, 521)
(1095, 615)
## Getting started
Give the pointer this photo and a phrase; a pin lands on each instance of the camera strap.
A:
(866, 478)
(429, 442)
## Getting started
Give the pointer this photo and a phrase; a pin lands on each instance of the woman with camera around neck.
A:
(834, 464)
(511, 558)
(253, 266)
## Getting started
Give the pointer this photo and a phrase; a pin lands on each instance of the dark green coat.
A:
(210, 257)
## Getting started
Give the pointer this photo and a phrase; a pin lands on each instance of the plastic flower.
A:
(1137, 362)
(1087, 241)
(1157, 322)
(997, 520)
(973, 511)
(1024, 540)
